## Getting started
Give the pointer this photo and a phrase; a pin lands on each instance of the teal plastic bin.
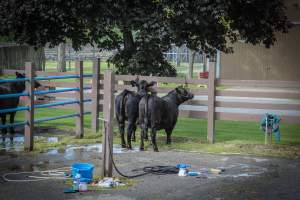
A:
(85, 170)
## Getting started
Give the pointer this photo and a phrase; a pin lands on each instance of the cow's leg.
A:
(142, 140)
(11, 129)
(4, 130)
(145, 134)
(129, 133)
(168, 132)
(153, 138)
(133, 132)
(122, 133)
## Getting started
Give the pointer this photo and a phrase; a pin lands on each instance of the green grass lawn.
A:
(51, 66)
(189, 134)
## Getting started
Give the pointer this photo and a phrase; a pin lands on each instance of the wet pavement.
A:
(245, 177)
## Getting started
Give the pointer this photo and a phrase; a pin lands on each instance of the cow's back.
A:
(160, 113)
(6, 103)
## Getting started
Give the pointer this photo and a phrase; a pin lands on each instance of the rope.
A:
(58, 174)
(157, 170)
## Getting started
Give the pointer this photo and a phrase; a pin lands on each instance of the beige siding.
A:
(280, 62)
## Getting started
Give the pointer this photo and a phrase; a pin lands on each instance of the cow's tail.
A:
(122, 105)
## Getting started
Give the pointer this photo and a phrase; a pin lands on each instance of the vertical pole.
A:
(207, 63)
(178, 56)
(79, 97)
(95, 95)
(266, 131)
(192, 54)
(270, 136)
(108, 112)
(211, 104)
(29, 114)
(218, 64)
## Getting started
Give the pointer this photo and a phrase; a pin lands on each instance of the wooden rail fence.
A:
(210, 102)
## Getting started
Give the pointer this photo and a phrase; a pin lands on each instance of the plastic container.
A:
(183, 166)
(183, 169)
(76, 182)
(83, 187)
(85, 170)
(192, 173)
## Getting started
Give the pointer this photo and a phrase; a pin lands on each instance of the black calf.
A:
(126, 108)
(161, 113)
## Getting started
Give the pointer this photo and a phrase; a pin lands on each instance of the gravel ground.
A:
(245, 177)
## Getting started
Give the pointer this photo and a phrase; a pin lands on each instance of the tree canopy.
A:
(141, 30)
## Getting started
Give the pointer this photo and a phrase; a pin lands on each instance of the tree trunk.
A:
(39, 59)
(128, 39)
(61, 58)
(178, 56)
(205, 62)
(191, 63)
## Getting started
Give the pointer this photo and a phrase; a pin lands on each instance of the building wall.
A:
(280, 62)
(14, 56)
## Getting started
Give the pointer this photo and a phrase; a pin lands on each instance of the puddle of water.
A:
(256, 159)
(85, 151)
(18, 142)
(7, 146)
(40, 166)
(243, 170)
(260, 159)
(52, 139)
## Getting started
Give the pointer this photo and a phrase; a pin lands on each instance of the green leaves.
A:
(140, 30)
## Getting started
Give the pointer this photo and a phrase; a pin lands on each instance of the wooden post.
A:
(108, 112)
(29, 114)
(268, 131)
(95, 95)
(192, 54)
(211, 104)
(79, 97)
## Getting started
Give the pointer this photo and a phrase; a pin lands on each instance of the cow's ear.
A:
(19, 75)
(151, 83)
(133, 83)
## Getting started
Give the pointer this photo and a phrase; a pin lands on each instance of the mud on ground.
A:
(245, 177)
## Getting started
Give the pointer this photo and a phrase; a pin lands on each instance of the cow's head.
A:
(22, 83)
(142, 86)
(183, 94)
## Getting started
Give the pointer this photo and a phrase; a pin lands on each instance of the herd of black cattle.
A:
(149, 111)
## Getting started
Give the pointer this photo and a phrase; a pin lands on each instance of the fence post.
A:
(29, 114)
(79, 97)
(211, 104)
(108, 112)
(95, 95)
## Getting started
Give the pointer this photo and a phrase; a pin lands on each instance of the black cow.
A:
(11, 102)
(126, 108)
(161, 113)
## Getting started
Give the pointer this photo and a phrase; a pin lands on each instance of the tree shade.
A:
(141, 30)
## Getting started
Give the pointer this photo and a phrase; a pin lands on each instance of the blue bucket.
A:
(85, 170)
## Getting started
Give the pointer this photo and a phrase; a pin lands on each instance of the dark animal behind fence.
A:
(161, 113)
(126, 108)
(11, 102)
